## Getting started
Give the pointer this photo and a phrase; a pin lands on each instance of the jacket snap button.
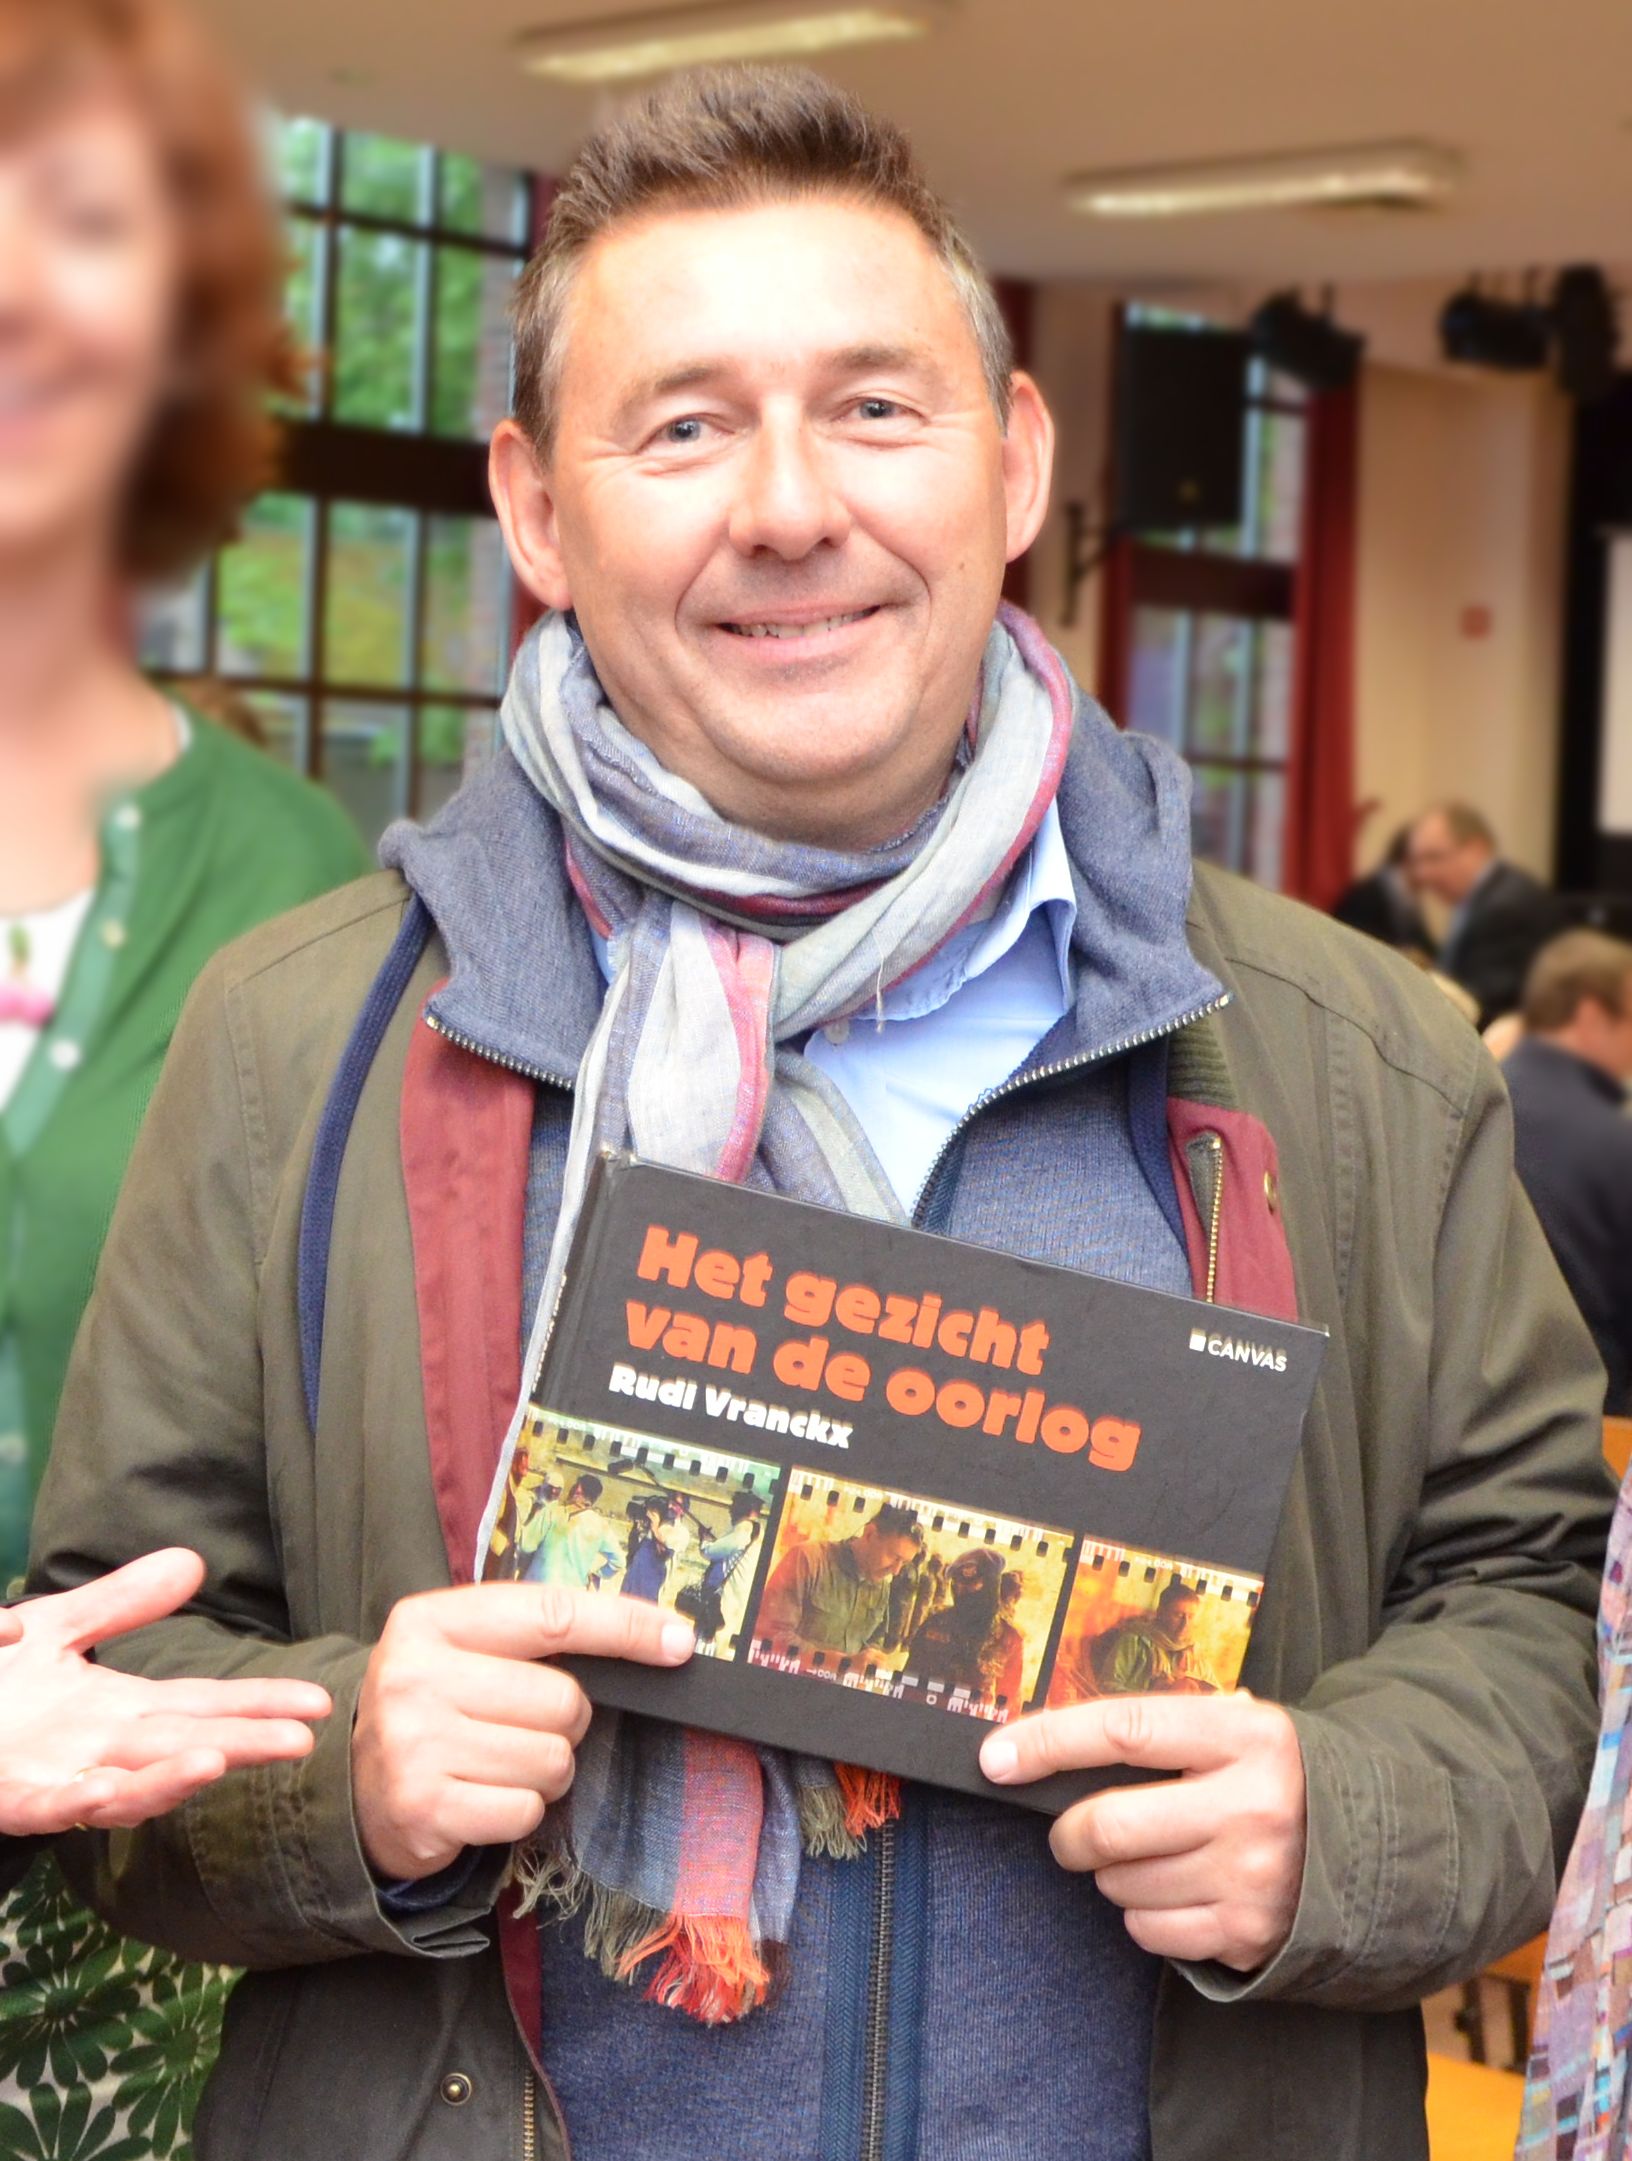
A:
(456, 2089)
(1272, 1192)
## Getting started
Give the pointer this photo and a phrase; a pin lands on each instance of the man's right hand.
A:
(462, 1737)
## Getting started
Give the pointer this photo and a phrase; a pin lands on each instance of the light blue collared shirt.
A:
(962, 1022)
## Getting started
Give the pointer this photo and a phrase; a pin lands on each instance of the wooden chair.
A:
(1473, 2111)
(1519, 1974)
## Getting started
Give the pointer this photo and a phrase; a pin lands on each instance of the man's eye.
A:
(878, 409)
(681, 431)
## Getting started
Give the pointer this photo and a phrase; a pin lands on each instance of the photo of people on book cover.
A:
(1149, 1624)
(920, 1600)
(601, 1509)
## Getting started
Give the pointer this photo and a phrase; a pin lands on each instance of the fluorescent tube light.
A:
(625, 47)
(1386, 173)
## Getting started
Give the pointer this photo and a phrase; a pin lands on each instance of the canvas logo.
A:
(1238, 1348)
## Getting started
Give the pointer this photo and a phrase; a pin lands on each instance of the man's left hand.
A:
(1208, 1865)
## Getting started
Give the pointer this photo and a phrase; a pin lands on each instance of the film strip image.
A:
(1150, 1624)
(601, 1509)
(918, 1600)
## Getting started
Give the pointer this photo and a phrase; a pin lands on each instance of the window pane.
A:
(365, 762)
(365, 614)
(466, 604)
(1271, 735)
(384, 178)
(442, 736)
(1238, 820)
(1218, 815)
(1266, 828)
(306, 241)
(485, 199)
(171, 629)
(1280, 463)
(472, 362)
(376, 369)
(1158, 674)
(1220, 685)
(262, 582)
(301, 149)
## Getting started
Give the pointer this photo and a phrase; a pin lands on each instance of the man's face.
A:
(577, 1498)
(966, 1576)
(780, 501)
(1179, 1618)
(1437, 862)
(879, 1557)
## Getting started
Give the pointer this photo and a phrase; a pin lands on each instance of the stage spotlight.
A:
(1587, 331)
(1483, 332)
(1309, 347)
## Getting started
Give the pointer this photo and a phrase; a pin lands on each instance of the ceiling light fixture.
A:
(1386, 174)
(627, 47)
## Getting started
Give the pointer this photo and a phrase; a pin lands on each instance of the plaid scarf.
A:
(726, 950)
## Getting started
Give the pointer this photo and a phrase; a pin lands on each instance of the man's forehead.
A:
(674, 299)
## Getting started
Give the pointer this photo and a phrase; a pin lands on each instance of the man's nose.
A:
(787, 503)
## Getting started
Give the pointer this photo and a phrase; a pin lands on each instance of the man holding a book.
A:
(801, 863)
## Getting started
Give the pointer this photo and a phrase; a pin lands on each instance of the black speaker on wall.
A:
(1180, 397)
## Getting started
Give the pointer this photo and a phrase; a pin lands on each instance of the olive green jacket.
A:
(1429, 1611)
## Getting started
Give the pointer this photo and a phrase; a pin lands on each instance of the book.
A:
(904, 1487)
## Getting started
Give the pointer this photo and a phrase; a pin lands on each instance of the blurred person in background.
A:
(1572, 1139)
(141, 331)
(1383, 905)
(1501, 917)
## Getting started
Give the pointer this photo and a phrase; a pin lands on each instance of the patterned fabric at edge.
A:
(1576, 2094)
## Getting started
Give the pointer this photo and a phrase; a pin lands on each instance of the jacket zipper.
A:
(496, 1057)
(1215, 1215)
(529, 2118)
(1018, 1081)
(873, 2082)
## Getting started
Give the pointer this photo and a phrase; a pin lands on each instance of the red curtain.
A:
(1320, 811)
(1115, 655)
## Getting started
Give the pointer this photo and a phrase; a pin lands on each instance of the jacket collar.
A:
(524, 986)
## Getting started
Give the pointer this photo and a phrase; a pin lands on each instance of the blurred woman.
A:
(140, 334)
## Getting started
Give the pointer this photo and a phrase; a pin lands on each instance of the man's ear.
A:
(526, 506)
(1028, 464)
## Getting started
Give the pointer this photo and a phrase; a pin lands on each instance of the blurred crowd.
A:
(1554, 1002)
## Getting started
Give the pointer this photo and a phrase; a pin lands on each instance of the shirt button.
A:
(65, 1056)
(13, 1451)
(837, 1031)
(127, 818)
(113, 935)
(456, 2089)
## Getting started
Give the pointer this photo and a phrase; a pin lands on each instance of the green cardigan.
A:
(220, 841)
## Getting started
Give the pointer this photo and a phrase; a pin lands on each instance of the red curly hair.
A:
(213, 445)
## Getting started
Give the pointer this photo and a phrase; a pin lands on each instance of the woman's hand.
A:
(82, 1745)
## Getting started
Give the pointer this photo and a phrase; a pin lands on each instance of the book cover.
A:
(904, 1487)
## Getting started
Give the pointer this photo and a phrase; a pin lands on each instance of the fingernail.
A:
(999, 1759)
(677, 1640)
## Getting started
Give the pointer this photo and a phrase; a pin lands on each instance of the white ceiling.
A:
(1012, 95)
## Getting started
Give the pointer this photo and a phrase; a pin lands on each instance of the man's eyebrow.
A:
(697, 374)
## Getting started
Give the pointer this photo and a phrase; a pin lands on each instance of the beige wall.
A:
(1462, 503)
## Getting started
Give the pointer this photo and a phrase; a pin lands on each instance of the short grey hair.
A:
(728, 139)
